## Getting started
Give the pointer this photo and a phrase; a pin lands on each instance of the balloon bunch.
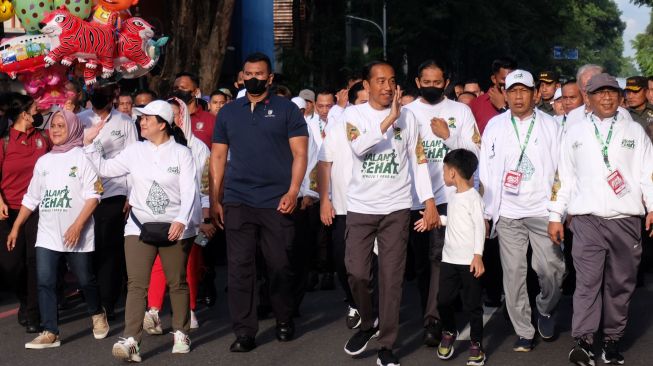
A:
(103, 39)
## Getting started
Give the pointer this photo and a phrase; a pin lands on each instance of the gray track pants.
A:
(606, 255)
(547, 261)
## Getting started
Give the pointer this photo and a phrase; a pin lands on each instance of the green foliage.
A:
(643, 44)
(468, 35)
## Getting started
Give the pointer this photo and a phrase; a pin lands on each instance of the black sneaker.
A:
(432, 334)
(611, 354)
(523, 345)
(546, 326)
(353, 318)
(581, 354)
(387, 358)
(358, 342)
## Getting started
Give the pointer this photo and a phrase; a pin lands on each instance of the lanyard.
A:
(528, 137)
(606, 144)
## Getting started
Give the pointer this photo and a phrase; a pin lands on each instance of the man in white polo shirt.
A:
(519, 158)
(387, 159)
(605, 173)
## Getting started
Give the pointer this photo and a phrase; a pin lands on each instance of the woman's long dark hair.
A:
(11, 106)
(174, 131)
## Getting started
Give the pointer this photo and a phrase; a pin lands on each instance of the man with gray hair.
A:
(584, 74)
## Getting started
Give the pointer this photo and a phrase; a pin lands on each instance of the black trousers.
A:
(456, 280)
(426, 249)
(492, 280)
(302, 250)
(18, 267)
(109, 255)
(246, 227)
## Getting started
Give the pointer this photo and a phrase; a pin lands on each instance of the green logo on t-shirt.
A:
(435, 150)
(382, 165)
(56, 199)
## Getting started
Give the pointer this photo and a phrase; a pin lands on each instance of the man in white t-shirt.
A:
(443, 125)
(387, 159)
(334, 174)
(109, 258)
(518, 162)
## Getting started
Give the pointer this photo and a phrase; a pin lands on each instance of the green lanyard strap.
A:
(528, 137)
(606, 144)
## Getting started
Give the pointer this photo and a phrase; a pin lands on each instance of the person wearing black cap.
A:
(640, 109)
(605, 182)
(548, 82)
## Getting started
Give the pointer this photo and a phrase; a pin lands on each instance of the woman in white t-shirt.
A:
(156, 291)
(163, 190)
(66, 190)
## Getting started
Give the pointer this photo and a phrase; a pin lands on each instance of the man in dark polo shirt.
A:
(640, 109)
(187, 88)
(493, 101)
(267, 139)
(547, 83)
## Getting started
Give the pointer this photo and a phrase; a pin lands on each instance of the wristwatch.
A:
(207, 220)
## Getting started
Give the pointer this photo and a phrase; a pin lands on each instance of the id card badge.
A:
(512, 181)
(618, 183)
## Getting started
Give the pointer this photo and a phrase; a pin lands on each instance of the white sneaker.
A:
(194, 324)
(126, 349)
(152, 322)
(44, 340)
(100, 326)
(182, 343)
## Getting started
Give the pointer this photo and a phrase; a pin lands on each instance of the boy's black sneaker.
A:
(582, 354)
(610, 353)
(358, 342)
(387, 358)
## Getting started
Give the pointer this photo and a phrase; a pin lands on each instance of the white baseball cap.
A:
(522, 77)
(159, 108)
(558, 94)
(300, 102)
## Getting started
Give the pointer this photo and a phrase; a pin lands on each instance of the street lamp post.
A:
(383, 29)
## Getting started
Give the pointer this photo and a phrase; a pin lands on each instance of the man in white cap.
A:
(609, 156)
(518, 162)
(558, 108)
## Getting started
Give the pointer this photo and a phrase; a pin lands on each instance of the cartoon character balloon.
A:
(87, 42)
(6, 10)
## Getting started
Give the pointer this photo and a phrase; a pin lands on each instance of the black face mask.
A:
(432, 94)
(256, 86)
(38, 120)
(100, 101)
(185, 96)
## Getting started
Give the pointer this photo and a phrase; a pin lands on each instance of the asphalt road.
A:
(321, 335)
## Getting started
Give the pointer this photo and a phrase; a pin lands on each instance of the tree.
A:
(643, 44)
(198, 42)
